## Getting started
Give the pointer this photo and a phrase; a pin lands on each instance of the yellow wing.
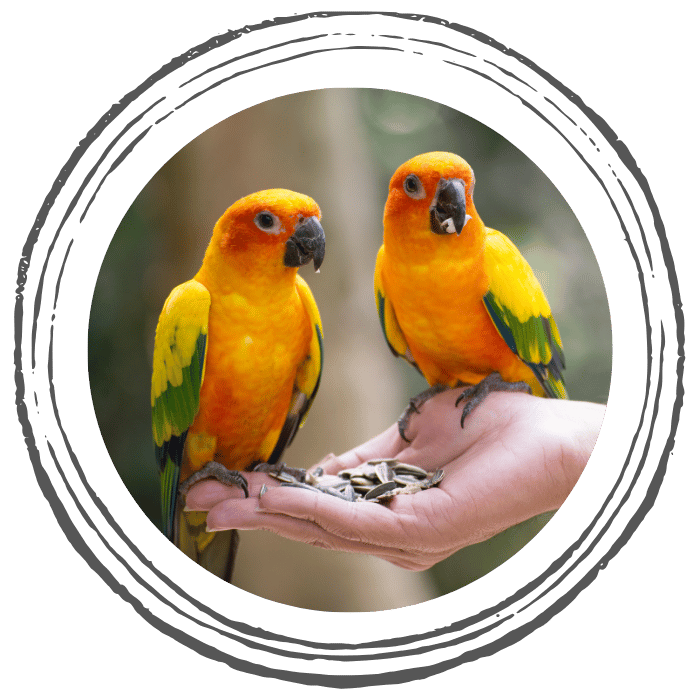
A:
(179, 359)
(387, 318)
(308, 375)
(520, 311)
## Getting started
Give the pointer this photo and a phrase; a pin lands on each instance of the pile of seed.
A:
(377, 481)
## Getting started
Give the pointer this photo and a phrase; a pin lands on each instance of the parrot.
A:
(237, 361)
(455, 298)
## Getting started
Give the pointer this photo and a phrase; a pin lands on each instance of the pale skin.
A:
(516, 457)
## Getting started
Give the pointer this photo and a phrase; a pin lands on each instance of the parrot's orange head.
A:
(277, 227)
(432, 193)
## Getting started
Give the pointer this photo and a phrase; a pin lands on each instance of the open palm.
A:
(518, 456)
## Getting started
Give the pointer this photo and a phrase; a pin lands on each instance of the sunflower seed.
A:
(377, 481)
(316, 473)
(435, 478)
(402, 468)
(405, 479)
(361, 481)
(276, 469)
(299, 485)
(380, 489)
(285, 478)
(329, 480)
(347, 493)
(384, 472)
(411, 488)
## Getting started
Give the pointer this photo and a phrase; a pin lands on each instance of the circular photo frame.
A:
(466, 71)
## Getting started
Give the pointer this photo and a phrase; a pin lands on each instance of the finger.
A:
(437, 436)
(386, 444)
(361, 522)
(411, 563)
(237, 514)
(205, 494)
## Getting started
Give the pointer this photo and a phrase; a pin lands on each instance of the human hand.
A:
(518, 456)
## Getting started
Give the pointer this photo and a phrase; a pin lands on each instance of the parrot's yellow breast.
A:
(254, 350)
(439, 307)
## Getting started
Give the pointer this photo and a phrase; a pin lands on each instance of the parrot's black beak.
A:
(308, 242)
(448, 214)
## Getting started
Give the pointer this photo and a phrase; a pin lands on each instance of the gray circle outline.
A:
(360, 680)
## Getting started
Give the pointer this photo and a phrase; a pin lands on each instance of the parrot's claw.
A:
(219, 472)
(414, 406)
(474, 395)
(280, 468)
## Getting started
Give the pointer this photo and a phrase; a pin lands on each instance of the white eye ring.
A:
(413, 187)
(268, 222)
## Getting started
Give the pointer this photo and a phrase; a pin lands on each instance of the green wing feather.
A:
(179, 359)
(520, 311)
(308, 377)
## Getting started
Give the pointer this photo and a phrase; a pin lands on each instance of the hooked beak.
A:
(448, 214)
(308, 242)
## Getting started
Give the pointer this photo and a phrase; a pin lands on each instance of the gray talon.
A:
(414, 406)
(217, 471)
(474, 395)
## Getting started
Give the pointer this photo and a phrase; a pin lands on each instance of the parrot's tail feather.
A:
(214, 551)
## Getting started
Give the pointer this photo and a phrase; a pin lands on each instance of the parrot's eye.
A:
(267, 222)
(413, 187)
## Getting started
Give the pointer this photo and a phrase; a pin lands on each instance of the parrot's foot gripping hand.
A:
(415, 404)
(220, 473)
(280, 468)
(474, 395)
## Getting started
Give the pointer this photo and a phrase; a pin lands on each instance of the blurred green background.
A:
(340, 147)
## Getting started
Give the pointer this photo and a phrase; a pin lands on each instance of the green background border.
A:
(67, 70)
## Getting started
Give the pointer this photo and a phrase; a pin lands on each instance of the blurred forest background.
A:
(340, 147)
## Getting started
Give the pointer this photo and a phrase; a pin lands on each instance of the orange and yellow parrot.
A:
(237, 360)
(455, 298)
